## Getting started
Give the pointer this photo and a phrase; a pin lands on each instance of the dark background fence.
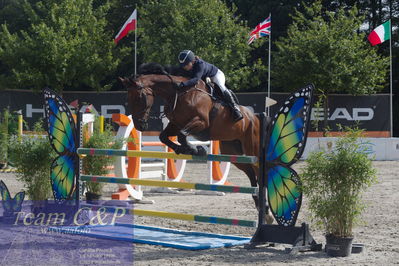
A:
(371, 112)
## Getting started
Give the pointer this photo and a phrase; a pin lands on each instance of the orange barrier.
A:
(173, 169)
(132, 144)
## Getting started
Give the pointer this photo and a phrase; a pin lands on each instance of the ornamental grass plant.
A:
(334, 180)
(99, 165)
(32, 157)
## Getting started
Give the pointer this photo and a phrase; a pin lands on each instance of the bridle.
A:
(141, 89)
(143, 96)
(146, 91)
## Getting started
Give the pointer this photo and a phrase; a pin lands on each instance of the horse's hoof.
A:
(185, 150)
(201, 151)
(179, 150)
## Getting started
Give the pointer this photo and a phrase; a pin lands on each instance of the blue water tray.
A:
(155, 236)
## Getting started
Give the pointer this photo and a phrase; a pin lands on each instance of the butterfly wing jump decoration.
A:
(64, 140)
(287, 140)
(11, 205)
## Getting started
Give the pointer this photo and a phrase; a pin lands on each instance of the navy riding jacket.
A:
(201, 70)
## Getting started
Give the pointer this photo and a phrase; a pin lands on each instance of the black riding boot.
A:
(237, 116)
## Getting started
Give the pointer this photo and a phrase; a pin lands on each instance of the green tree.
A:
(207, 27)
(10, 14)
(65, 47)
(328, 49)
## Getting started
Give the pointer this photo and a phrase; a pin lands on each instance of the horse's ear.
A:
(125, 81)
(122, 80)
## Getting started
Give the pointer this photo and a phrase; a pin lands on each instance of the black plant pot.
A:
(92, 198)
(338, 246)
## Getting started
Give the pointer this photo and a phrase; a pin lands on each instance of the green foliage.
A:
(207, 27)
(4, 124)
(97, 165)
(33, 157)
(317, 106)
(13, 123)
(333, 182)
(66, 46)
(8, 127)
(10, 13)
(326, 48)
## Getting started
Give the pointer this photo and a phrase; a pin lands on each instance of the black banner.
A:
(370, 112)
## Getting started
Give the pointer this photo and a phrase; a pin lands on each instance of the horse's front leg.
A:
(184, 148)
(182, 139)
(169, 131)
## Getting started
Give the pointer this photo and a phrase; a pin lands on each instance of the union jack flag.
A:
(262, 29)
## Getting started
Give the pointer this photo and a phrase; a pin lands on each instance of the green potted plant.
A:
(333, 182)
(32, 157)
(4, 119)
(98, 165)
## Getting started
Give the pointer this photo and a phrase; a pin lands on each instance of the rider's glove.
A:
(180, 85)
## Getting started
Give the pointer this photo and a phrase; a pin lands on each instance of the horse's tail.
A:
(268, 120)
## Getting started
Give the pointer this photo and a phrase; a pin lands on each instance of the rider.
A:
(201, 70)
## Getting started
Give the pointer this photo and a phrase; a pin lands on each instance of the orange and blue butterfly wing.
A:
(11, 204)
(63, 138)
(60, 124)
(289, 128)
(18, 199)
(286, 144)
(4, 192)
(283, 193)
(63, 171)
(5, 196)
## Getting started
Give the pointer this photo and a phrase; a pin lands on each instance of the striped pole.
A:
(159, 183)
(178, 216)
(169, 155)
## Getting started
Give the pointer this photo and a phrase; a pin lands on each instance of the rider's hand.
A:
(179, 85)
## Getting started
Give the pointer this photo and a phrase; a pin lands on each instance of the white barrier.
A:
(380, 149)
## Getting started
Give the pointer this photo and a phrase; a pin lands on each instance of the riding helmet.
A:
(185, 57)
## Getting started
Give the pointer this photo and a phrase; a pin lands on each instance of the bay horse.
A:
(193, 112)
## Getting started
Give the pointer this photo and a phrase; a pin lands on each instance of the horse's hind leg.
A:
(252, 172)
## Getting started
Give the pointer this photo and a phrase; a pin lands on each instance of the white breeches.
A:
(220, 80)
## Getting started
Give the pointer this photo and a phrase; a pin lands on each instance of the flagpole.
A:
(390, 79)
(268, 76)
(135, 46)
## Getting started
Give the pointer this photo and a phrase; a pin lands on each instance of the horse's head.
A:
(140, 100)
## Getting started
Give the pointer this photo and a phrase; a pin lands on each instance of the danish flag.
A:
(262, 29)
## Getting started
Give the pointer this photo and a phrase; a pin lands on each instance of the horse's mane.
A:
(158, 69)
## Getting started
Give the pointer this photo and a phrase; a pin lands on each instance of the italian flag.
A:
(130, 25)
(380, 34)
